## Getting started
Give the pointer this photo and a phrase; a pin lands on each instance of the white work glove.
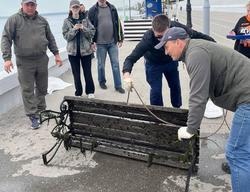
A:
(183, 134)
(128, 84)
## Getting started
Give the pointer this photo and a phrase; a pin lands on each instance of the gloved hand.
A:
(128, 84)
(183, 134)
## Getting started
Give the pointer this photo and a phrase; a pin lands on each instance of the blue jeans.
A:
(238, 149)
(101, 53)
(154, 78)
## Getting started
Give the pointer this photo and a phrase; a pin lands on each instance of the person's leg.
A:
(41, 82)
(171, 73)
(113, 54)
(101, 54)
(75, 67)
(154, 79)
(26, 76)
(86, 65)
(238, 149)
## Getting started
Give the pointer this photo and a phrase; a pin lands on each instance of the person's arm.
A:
(91, 17)
(140, 49)
(89, 30)
(68, 31)
(120, 31)
(198, 66)
(235, 30)
(192, 33)
(8, 36)
(52, 45)
(51, 39)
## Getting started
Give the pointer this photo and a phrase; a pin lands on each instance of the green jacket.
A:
(86, 36)
(31, 36)
(216, 72)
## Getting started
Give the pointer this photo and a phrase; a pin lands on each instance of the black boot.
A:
(225, 167)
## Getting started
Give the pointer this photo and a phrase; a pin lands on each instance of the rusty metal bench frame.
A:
(124, 130)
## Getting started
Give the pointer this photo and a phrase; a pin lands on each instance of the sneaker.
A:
(91, 96)
(225, 167)
(35, 124)
(120, 90)
(103, 86)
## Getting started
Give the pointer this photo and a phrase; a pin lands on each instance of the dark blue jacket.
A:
(93, 17)
(153, 56)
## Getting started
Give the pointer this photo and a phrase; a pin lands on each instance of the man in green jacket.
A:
(32, 37)
(221, 74)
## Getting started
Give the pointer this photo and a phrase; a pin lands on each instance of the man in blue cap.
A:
(221, 74)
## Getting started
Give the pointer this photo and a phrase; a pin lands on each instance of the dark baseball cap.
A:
(172, 33)
(29, 1)
(74, 3)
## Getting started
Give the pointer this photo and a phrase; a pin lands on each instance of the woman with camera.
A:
(78, 32)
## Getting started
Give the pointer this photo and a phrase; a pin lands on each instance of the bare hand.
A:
(8, 66)
(119, 44)
(78, 26)
(58, 60)
(246, 43)
(93, 46)
(232, 33)
(126, 75)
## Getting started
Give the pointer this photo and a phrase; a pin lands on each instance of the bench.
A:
(124, 130)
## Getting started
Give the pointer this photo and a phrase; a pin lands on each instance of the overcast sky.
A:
(9, 7)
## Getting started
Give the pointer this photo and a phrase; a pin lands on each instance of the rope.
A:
(145, 106)
(190, 170)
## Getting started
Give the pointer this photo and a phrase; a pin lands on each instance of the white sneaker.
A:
(91, 96)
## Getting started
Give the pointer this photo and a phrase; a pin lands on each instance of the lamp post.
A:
(206, 17)
(189, 17)
(129, 6)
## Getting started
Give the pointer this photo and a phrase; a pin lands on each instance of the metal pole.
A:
(168, 8)
(129, 6)
(189, 17)
(124, 10)
(206, 17)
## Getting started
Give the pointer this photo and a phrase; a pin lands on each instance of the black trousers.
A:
(85, 61)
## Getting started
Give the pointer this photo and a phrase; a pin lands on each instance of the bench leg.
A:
(44, 155)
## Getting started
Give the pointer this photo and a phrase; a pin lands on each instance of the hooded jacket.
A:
(31, 36)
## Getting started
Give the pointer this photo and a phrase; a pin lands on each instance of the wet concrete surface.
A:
(22, 169)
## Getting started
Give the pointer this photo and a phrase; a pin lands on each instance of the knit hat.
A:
(74, 2)
(29, 1)
(172, 34)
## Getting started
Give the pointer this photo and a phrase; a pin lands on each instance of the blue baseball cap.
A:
(172, 33)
